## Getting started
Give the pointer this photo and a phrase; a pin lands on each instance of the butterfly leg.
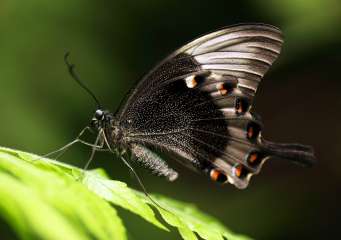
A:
(97, 146)
(153, 162)
(63, 149)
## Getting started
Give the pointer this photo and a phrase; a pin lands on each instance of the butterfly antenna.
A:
(136, 176)
(71, 69)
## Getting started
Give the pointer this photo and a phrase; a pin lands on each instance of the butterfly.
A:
(196, 105)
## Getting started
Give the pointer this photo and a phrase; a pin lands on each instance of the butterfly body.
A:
(196, 105)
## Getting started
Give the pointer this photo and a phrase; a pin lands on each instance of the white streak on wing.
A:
(236, 67)
(248, 86)
(231, 112)
(228, 30)
(220, 56)
(226, 38)
(254, 46)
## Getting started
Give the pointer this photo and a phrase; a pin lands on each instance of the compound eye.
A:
(99, 114)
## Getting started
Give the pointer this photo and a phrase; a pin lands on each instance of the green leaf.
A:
(43, 198)
(119, 194)
(188, 218)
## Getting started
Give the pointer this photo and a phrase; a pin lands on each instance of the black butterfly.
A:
(196, 104)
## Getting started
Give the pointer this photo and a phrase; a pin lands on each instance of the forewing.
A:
(196, 103)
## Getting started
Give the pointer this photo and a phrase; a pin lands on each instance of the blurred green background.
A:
(114, 42)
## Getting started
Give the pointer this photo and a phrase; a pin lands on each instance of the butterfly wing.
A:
(197, 104)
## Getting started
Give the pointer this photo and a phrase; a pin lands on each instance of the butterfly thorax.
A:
(114, 134)
(106, 122)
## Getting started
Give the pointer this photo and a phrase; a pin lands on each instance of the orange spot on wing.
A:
(191, 82)
(214, 174)
(238, 170)
(240, 109)
(241, 105)
(217, 176)
(221, 88)
(250, 132)
(253, 158)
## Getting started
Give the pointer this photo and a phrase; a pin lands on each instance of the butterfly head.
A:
(101, 119)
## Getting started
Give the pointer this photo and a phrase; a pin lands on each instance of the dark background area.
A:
(114, 42)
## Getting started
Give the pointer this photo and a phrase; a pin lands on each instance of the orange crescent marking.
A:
(250, 132)
(238, 170)
(253, 157)
(214, 174)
